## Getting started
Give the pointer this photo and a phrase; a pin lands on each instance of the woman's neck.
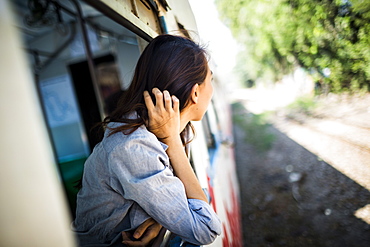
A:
(184, 119)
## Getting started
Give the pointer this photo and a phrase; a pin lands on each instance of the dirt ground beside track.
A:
(290, 196)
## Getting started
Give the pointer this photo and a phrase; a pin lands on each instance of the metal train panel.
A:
(75, 58)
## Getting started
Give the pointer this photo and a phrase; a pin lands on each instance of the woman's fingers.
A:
(162, 100)
(175, 103)
(167, 100)
(143, 235)
(164, 115)
(158, 97)
(143, 227)
(148, 100)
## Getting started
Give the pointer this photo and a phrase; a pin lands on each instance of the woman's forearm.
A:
(183, 169)
(164, 123)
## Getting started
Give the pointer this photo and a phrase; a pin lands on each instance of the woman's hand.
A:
(164, 122)
(143, 235)
(164, 116)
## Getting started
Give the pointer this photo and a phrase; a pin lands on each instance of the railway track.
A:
(358, 119)
(357, 136)
(344, 146)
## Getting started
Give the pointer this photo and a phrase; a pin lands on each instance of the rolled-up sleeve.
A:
(205, 214)
(141, 173)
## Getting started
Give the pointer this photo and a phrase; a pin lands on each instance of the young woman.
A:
(139, 175)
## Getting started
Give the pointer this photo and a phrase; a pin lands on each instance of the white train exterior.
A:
(61, 61)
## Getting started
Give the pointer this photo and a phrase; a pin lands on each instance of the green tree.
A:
(279, 35)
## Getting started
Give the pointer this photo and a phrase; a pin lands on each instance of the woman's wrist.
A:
(173, 141)
(184, 171)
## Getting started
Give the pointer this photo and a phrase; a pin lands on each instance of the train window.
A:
(77, 86)
(192, 164)
(211, 132)
(209, 136)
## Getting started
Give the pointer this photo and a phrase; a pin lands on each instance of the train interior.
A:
(72, 102)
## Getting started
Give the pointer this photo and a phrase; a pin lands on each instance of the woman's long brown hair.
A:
(169, 63)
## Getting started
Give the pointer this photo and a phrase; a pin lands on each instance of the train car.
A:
(64, 63)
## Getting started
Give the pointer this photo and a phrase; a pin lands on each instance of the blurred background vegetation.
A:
(328, 38)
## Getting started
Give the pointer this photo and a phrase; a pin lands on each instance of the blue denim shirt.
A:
(128, 179)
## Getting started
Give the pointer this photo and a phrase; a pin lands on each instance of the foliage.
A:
(319, 35)
(255, 126)
(304, 105)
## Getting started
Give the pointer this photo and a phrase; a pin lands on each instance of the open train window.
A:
(55, 35)
(82, 55)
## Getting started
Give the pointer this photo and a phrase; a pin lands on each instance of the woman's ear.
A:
(195, 93)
